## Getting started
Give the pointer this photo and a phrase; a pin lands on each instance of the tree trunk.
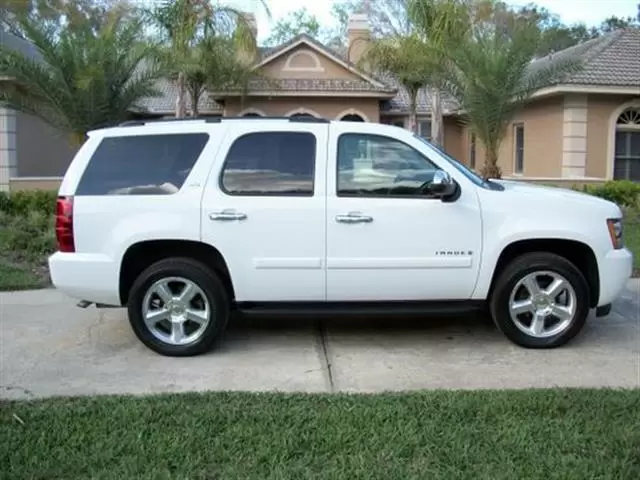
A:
(194, 108)
(77, 139)
(490, 168)
(181, 104)
(195, 98)
(413, 114)
(437, 130)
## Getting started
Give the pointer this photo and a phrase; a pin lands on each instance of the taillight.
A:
(64, 224)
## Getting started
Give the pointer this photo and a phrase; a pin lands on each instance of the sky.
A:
(590, 12)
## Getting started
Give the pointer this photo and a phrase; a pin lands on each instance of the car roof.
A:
(184, 124)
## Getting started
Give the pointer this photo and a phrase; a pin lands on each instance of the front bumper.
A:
(615, 270)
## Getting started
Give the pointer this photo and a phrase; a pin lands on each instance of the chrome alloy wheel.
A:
(176, 311)
(543, 304)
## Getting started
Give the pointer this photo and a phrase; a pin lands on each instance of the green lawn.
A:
(543, 434)
(632, 237)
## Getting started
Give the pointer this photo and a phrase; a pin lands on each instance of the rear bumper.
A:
(86, 277)
(615, 270)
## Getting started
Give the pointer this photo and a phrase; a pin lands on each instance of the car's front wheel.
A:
(178, 307)
(540, 300)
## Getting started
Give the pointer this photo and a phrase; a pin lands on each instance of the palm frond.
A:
(82, 78)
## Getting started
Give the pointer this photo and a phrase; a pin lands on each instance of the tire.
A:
(209, 304)
(513, 286)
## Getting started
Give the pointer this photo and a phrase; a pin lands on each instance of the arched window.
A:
(352, 117)
(301, 114)
(626, 164)
(252, 114)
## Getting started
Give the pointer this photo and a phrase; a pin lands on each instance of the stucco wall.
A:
(328, 107)
(542, 122)
(305, 62)
(454, 138)
(42, 151)
(31, 183)
(601, 109)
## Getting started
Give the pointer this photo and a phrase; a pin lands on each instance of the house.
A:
(585, 128)
(32, 153)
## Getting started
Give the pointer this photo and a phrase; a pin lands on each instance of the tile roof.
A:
(609, 60)
(317, 85)
(165, 103)
(400, 103)
(13, 42)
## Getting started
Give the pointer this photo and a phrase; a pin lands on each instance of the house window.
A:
(518, 136)
(627, 153)
(424, 129)
(472, 151)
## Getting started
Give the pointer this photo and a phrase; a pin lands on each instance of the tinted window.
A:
(141, 165)
(373, 165)
(270, 163)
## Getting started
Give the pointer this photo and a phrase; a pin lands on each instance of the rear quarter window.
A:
(141, 165)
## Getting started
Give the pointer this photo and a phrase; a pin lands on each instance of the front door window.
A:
(375, 165)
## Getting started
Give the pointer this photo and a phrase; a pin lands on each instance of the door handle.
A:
(354, 217)
(227, 215)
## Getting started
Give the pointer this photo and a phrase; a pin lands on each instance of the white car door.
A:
(387, 241)
(264, 209)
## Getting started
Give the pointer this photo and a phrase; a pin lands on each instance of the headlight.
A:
(615, 232)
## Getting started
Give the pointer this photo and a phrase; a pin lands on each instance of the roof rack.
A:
(134, 123)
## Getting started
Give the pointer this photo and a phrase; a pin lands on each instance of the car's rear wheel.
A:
(178, 307)
(540, 300)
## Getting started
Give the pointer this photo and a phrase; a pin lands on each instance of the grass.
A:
(632, 237)
(545, 434)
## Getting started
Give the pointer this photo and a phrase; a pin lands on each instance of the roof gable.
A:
(307, 41)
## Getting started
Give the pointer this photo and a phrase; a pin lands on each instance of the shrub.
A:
(623, 192)
(23, 202)
(29, 237)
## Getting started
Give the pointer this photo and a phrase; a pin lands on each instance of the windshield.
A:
(467, 172)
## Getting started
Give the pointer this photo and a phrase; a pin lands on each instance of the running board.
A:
(87, 303)
(379, 308)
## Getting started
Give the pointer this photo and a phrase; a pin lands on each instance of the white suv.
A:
(185, 221)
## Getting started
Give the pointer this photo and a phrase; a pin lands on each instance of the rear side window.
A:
(141, 165)
(270, 163)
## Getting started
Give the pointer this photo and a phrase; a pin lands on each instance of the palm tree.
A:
(81, 78)
(188, 27)
(492, 76)
(217, 66)
(438, 23)
(405, 58)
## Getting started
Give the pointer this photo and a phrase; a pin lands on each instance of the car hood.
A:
(557, 196)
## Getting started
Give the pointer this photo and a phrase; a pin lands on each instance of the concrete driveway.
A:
(51, 347)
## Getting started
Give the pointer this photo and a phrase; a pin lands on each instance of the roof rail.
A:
(134, 123)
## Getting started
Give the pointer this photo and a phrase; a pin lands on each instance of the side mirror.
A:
(442, 185)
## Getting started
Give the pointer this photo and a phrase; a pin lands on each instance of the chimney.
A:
(359, 36)
(251, 54)
(250, 18)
